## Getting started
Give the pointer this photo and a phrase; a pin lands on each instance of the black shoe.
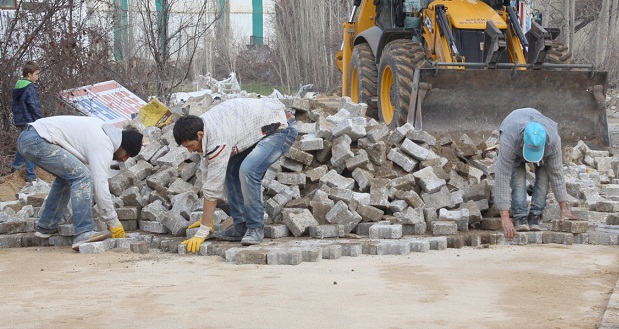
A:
(534, 222)
(521, 224)
(232, 233)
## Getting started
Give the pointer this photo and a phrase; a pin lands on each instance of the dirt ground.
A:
(11, 184)
(533, 286)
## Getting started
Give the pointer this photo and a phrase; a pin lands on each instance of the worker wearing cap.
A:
(527, 136)
(64, 145)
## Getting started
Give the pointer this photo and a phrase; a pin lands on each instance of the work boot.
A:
(45, 233)
(233, 233)
(253, 236)
(521, 225)
(89, 236)
(534, 222)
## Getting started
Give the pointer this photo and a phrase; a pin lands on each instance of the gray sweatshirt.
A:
(510, 151)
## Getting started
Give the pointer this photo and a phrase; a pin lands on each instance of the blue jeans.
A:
(30, 166)
(73, 180)
(519, 191)
(245, 171)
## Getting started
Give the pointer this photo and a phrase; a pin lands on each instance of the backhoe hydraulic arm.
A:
(441, 19)
(515, 27)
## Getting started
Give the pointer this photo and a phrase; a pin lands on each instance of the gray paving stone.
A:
(386, 231)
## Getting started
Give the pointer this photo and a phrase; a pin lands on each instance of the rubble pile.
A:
(376, 190)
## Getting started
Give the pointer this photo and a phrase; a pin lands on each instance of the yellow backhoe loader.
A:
(460, 66)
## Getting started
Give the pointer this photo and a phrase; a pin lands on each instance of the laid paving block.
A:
(10, 241)
(141, 247)
(31, 240)
(612, 219)
(386, 231)
(472, 240)
(581, 238)
(570, 226)
(96, 247)
(420, 245)
(229, 254)
(575, 226)
(438, 243)
(455, 241)
(284, 257)
(386, 247)
(331, 252)
(352, 249)
(521, 238)
(534, 237)
(58, 240)
(603, 238)
(558, 238)
(370, 247)
(489, 237)
(309, 254)
(16, 227)
(248, 256)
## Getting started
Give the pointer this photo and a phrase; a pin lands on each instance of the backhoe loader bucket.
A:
(475, 102)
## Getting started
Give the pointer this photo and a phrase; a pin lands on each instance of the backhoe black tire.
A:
(362, 78)
(559, 54)
(395, 80)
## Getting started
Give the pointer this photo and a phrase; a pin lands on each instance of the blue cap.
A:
(534, 142)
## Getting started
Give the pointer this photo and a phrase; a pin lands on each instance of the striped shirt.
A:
(510, 151)
(230, 128)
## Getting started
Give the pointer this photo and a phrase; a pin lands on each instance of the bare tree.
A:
(308, 33)
(57, 36)
(171, 33)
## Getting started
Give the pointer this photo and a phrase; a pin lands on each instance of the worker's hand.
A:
(193, 244)
(116, 228)
(195, 224)
(118, 232)
(508, 228)
(567, 214)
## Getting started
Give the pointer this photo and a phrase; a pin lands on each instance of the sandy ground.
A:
(11, 184)
(534, 286)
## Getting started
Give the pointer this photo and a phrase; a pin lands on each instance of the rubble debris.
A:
(399, 190)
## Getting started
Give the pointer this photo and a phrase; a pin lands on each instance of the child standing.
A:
(26, 109)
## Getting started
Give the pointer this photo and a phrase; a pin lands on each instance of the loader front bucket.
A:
(475, 102)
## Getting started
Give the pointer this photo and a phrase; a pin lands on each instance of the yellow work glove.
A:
(193, 244)
(195, 224)
(118, 232)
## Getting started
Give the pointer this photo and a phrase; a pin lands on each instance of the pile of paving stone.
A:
(348, 186)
